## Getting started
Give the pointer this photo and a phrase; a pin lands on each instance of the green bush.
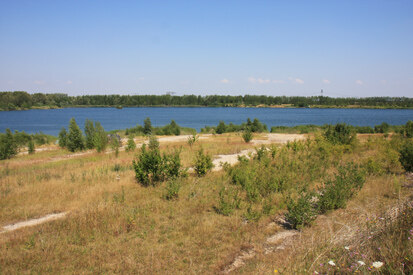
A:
(406, 156)
(100, 138)
(62, 138)
(30, 146)
(75, 140)
(203, 163)
(247, 135)
(151, 167)
(131, 146)
(337, 192)
(407, 129)
(8, 146)
(229, 200)
(341, 133)
(301, 212)
(89, 133)
(172, 189)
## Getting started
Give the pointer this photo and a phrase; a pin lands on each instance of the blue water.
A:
(51, 121)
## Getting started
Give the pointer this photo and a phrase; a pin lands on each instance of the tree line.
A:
(22, 100)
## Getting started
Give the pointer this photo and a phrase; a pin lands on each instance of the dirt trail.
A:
(230, 159)
(279, 138)
(32, 222)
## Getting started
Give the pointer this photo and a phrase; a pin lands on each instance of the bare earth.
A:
(32, 222)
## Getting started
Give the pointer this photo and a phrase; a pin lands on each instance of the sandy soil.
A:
(32, 222)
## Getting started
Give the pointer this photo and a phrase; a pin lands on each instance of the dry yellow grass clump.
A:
(115, 225)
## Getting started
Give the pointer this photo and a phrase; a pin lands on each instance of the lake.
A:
(51, 121)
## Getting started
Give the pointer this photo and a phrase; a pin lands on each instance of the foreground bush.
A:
(8, 146)
(203, 163)
(152, 167)
(406, 156)
(301, 212)
(341, 133)
(337, 192)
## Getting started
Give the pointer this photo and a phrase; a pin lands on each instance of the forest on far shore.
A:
(20, 100)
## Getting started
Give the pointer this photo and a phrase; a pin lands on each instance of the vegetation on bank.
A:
(167, 222)
(20, 100)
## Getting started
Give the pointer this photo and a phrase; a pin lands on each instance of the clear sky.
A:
(347, 48)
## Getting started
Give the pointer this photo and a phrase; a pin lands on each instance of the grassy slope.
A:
(118, 226)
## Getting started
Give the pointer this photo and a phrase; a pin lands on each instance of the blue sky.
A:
(347, 48)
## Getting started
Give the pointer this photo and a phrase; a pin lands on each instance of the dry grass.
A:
(117, 226)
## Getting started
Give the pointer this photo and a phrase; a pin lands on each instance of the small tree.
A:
(406, 156)
(341, 133)
(131, 146)
(151, 167)
(74, 138)
(203, 163)
(147, 126)
(30, 146)
(247, 135)
(192, 140)
(407, 130)
(221, 128)
(63, 138)
(115, 144)
(176, 130)
(8, 147)
(89, 133)
(100, 139)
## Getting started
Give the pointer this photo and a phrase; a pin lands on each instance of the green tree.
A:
(8, 147)
(408, 129)
(131, 146)
(100, 139)
(176, 130)
(221, 128)
(115, 144)
(147, 126)
(63, 138)
(30, 146)
(247, 135)
(341, 133)
(89, 133)
(203, 163)
(74, 138)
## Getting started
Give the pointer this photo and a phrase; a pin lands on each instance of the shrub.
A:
(151, 167)
(8, 146)
(382, 128)
(341, 133)
(192, 140)
(203, 163)
(406, 156)
(221, 128)
(131, 146)
(74, 138)
(228, 201)
(30, 146)
(89, 133)
(337, 192)
(407, 130)
(301, 212)
(147, 126)
(100, 139)
(247, 135)
(63, 138)
(172, 189)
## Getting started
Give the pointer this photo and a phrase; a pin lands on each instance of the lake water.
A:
(51, 121)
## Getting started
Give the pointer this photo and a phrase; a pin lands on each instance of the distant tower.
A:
(321, 92)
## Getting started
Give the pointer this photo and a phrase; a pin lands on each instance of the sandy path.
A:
(32, 222)
(230, 159)
(278, 138)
